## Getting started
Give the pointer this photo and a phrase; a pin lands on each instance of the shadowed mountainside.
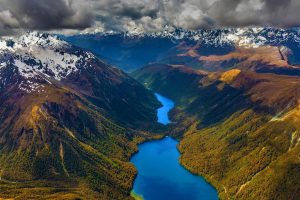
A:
(262, 59)
(191, 48)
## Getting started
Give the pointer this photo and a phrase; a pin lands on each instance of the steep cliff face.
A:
(239, 129)
(68, 121)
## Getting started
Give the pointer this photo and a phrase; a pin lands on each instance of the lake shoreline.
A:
(201, 181)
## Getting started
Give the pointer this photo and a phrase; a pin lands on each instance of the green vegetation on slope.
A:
(65, 143)
(239, 129)
(59, 140)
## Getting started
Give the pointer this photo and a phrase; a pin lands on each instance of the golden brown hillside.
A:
(239, 129)
(67, 132)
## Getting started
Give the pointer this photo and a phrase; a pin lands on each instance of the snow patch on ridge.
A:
(248, 37)
(38, 55)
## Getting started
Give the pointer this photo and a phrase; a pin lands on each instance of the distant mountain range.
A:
(68, 121)
(130, 51)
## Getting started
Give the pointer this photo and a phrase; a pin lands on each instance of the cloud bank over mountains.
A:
(144, 15)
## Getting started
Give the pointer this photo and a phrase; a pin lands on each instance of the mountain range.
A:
(127, 50)
(70, 118)
(68, 121)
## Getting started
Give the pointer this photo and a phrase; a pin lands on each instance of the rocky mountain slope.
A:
(240, 129)
(68, 121)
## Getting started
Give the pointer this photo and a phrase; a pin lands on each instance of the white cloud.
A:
(144, 15)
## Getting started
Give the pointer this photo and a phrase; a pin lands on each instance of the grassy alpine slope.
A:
(239, 129)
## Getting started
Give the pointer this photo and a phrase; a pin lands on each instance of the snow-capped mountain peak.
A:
(32, 40)
(40, 56)
(248, 37)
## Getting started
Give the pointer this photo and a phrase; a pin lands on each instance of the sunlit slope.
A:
(68, 122)
(239, 129)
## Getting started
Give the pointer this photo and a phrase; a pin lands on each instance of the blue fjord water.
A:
(160, 176)
(162, 112)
